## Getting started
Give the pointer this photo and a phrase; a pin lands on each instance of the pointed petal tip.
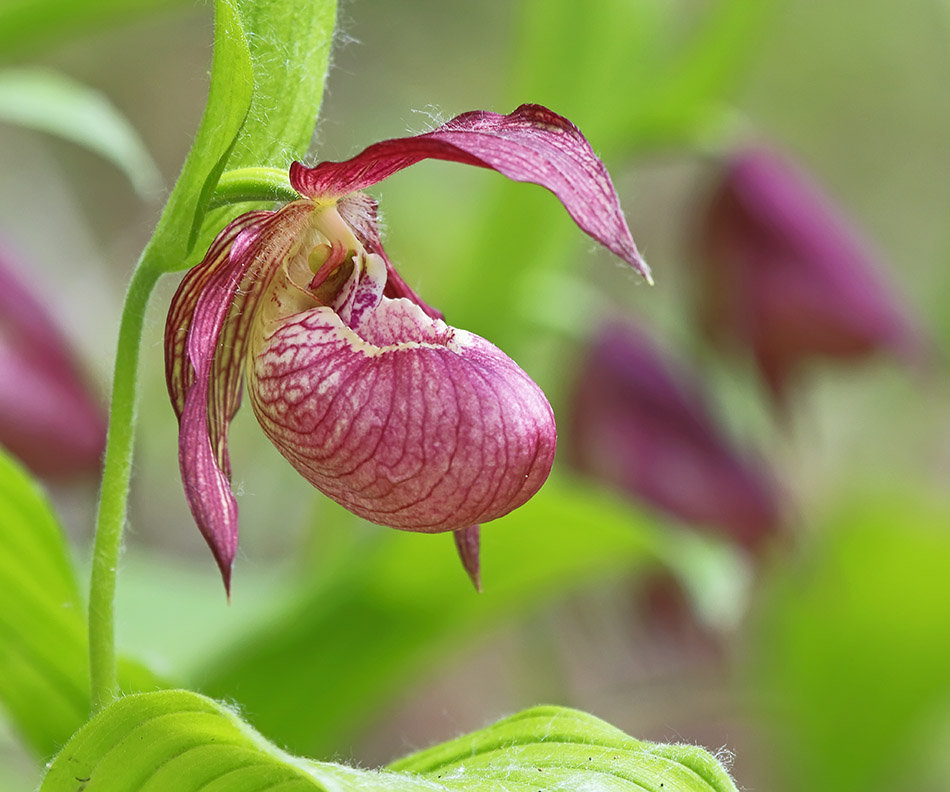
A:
(644, 269)
(468, 544)
(226, 567)
(532, 144)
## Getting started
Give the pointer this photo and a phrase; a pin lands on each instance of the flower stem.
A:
(253, 184)
(247, 184)
(113, 498)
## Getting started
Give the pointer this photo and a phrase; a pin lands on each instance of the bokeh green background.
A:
(824, 668)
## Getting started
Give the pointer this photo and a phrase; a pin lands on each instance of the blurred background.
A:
(746, 539)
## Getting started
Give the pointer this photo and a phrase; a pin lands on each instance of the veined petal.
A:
(179, 374)
(532, 144)
(403, 420)
(205, 344)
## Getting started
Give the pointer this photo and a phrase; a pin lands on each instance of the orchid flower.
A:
(785, 277)
(49, 416)
(642, 424)
(361, 386)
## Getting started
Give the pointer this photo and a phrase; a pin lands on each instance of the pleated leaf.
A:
(287, 45)
(44, 666)
(181, 740)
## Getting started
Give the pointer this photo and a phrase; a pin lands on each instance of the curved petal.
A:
(179, 374)
(405, 421)
(532, 144)
(205, 344)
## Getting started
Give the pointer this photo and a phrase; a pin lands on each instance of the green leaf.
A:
(273, 61)
(854, 647)
(289, 43)
(44, 678)
(687, 101)
(374, 594)
(229, 100)
(560, 748)
(44, 664)
(183, 741)
(26, 25)
(51, 102)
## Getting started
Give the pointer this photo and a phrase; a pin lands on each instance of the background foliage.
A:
(821, 668)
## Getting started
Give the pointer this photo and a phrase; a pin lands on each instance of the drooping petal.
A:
(532, 144)
(179, 373)
(202, 439)
(205, 346)
(49, 416)
(403, 420)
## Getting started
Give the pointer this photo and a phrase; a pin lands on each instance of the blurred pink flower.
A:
(378, 403)
(48, 416)
(785, 277)
(645, 429)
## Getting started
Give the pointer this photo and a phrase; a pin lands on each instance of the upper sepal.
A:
(532, 144)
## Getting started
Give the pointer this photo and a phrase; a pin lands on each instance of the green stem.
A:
(253, 184)
(113, 499)
(238, 186)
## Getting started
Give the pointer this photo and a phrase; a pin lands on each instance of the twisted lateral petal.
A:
(403, 420)
(532, 144)
(179, 374)
(208, 324)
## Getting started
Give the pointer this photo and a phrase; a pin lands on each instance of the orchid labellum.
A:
(402, 419)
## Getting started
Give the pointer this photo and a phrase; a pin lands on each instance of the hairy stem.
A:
(253, 184)
(113, 498)
(247, 184)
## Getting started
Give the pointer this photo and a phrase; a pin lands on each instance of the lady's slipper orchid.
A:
(397, 416)
(784, 276)
(49, 417)
(642, 425)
